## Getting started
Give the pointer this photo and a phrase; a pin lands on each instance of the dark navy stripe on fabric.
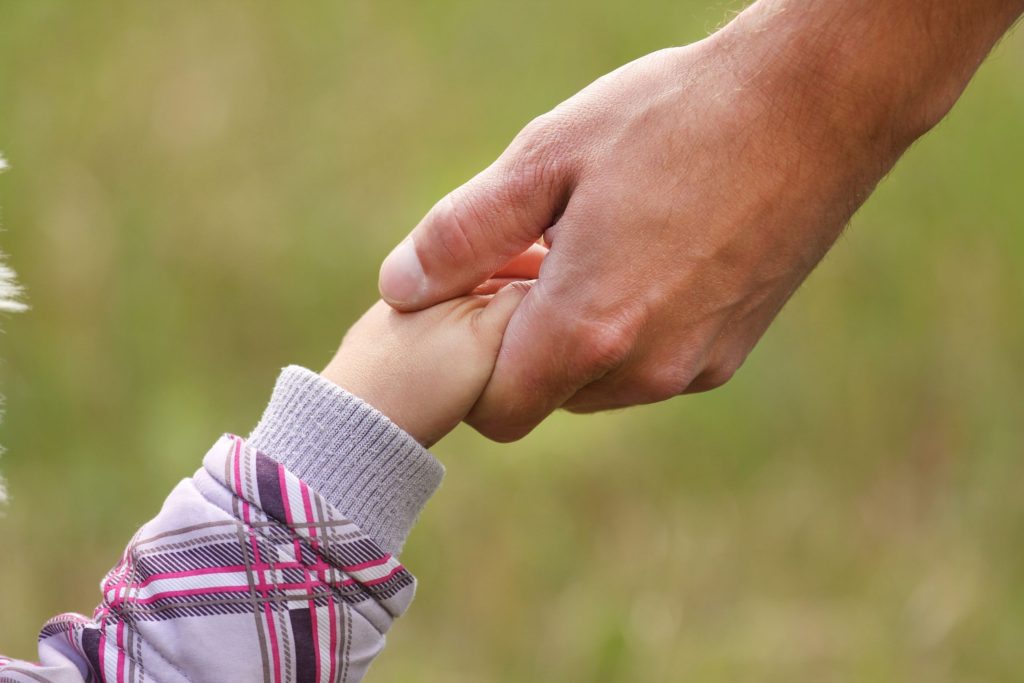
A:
(305, 653)
(269, 483)
(91, 647)
(212, 555)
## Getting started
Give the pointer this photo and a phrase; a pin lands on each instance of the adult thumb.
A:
(479, 227)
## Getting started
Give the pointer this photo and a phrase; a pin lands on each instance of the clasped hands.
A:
(681, 199)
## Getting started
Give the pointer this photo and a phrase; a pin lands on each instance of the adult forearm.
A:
(889, 69)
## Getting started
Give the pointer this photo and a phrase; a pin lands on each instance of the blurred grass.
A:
(201, 195)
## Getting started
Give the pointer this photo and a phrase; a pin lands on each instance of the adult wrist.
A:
(879, 73)
(814, 82)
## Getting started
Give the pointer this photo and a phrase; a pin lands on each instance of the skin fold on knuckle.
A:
(651, 377)
(601, 346)
(538, 162)
(714, 376)
(662, 383)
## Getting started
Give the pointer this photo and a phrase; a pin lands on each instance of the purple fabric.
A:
(246, 574)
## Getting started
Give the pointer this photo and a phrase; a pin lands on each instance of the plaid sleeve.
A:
(246, 574)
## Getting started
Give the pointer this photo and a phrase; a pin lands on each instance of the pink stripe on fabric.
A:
(237, 458)
(268, 614)
(120, 651)
(215, 590)
(281, 481)
(272, 630)
(311, 587)
(370, 582)
(332, 645)
(271, 626)
(187, 573)
(102, 655)
(374, 582)
(308, 506)
(191, 592)
(367, 565)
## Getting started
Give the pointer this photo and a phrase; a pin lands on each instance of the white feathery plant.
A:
(10, 294)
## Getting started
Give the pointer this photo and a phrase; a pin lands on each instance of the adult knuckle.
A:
(605, 345)
(535, 158)
(663, 377)
(539, 133)
(661, 384)
(721, 372)
(459, 221)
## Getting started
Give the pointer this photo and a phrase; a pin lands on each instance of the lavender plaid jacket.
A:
(276, 561)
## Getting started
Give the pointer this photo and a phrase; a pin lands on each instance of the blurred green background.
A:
(201, 193)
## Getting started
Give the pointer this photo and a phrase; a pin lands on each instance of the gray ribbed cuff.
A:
(351, 454)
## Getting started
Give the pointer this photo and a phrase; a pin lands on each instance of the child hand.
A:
(425, 370)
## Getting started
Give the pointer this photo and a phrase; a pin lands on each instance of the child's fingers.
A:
(526, 266)
(493, 318)
(495, 285)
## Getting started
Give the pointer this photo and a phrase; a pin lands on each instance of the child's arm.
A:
(276, 560)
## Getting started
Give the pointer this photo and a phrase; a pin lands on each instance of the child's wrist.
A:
(335, 442)
(384, 396)
(425, 370)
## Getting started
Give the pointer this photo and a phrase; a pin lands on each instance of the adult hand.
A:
(686, 195)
